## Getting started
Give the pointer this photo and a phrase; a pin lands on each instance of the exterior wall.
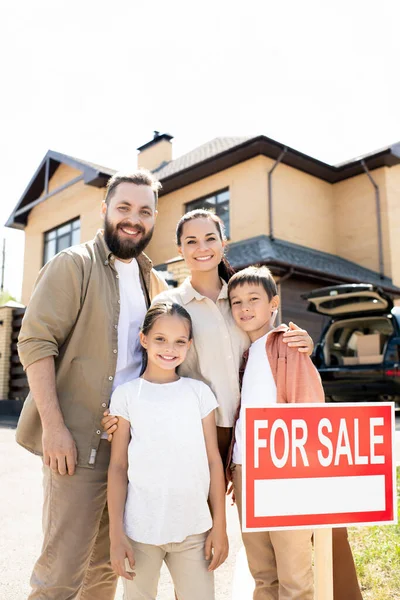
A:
(356, 222)
(5, 350)
(247, 183)
(154, 156)
(393, 204)
(63, 175)
(179, 271)
(79, 200)
(303, 209)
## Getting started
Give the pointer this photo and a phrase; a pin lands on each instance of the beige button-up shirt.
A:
(218, 345)
(73, 315)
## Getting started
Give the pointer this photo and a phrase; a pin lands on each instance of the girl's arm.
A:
(120, 547)
(216, 547)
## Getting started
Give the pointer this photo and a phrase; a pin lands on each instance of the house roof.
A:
(222, 153)
(205, 160)
(198, 155)
(91, 174)
(320, 265)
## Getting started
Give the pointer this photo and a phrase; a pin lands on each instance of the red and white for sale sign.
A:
(318, 465)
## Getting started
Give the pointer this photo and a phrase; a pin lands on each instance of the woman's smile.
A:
(204, 258)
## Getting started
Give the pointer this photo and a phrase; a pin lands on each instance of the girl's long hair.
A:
(161, 309)
(225, 269)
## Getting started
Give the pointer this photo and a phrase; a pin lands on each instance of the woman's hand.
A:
(298, 338)
(109, 423)
(120, 549)
(216, 547)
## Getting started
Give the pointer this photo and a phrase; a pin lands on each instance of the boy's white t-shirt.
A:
(168, 473)
(258, 389)
(131, 316)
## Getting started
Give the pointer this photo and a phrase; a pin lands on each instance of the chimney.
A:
(155, 153)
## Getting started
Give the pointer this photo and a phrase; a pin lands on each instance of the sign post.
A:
(323, 563)
(318, 466)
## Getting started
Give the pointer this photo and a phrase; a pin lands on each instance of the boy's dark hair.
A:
(258, 276)
(138, 177)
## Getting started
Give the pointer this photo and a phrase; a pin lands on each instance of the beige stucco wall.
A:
(79, 200)
(178, 271)
(303, 209)
(154, 156)
(393, 223)
(247, 184)
(356, 221)
(302, 205)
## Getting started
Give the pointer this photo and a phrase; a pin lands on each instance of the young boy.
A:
(280, 561)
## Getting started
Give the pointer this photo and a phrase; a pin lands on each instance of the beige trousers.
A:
(186, 563)
(75, 558)
(280, 561)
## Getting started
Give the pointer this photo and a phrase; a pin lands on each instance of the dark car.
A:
(358, 355)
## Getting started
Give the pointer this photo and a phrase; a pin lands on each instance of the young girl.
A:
(165, 466)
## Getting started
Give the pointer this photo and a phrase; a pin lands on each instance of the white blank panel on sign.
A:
(319, 495)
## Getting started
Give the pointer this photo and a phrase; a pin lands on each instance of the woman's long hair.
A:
(225, 269)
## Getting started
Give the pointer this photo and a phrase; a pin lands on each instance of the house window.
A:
(60, 238)
(217, 203)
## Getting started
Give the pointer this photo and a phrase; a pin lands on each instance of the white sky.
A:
(94, 79)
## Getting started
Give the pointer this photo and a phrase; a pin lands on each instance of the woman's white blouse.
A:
(218, 345)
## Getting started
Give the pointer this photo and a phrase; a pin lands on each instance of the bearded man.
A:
(78, 341)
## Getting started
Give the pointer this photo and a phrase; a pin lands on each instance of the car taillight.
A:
(392, 372)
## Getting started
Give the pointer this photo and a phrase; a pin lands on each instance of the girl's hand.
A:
(298, 338)
(120, 549)
(109, 423)
(216, 547)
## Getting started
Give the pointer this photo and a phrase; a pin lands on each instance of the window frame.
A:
(214, 195)
(55, 229)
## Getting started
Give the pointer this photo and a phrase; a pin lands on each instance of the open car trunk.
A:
(347, 300)
(357, 341)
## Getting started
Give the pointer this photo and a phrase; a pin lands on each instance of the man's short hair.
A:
(256, 275)
(138, 177)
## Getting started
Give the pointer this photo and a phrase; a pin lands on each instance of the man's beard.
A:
(124, 248)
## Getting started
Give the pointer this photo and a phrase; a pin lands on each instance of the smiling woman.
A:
(218, 343)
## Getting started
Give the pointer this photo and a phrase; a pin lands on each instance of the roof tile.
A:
(262, 249)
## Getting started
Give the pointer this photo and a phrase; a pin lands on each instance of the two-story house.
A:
(312, 223)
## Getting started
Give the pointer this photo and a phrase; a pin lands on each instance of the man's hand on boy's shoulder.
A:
(295, 337)
(110, 424)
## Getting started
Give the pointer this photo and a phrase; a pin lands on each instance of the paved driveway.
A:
(20, 514)
(20, 526)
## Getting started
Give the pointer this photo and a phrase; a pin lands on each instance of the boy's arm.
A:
(303, 382)
(216, 546)
(117, 487)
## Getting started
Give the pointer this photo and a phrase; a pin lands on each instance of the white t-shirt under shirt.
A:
(131, 316)
(258, 389)
(168, 471)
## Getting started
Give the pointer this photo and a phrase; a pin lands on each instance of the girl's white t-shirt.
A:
(168, 473)
(258, 389)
